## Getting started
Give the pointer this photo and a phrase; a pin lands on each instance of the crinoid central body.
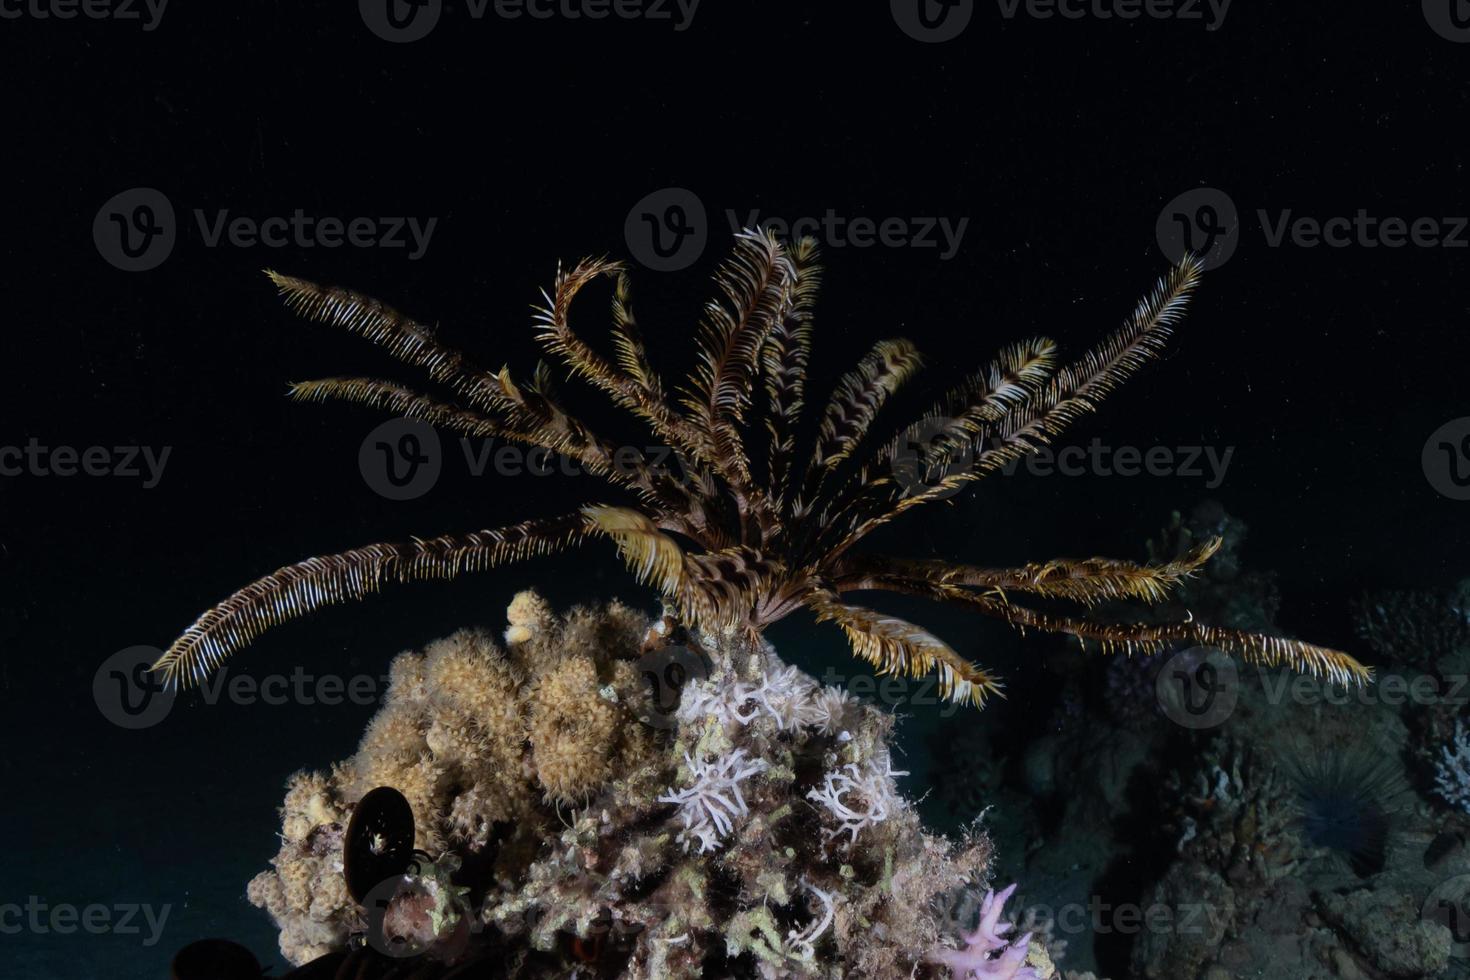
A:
(731, 541)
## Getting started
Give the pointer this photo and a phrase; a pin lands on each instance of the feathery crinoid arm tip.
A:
(1089, 581)
(296, 590)
(403, 338)
(1260, 649)
(860, 395)
(1070, 393)
(896, 646)
(654, 557)
(757, 282)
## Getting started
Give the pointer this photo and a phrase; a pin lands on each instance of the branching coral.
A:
(731, 545)
(987, 952)
(857, 797)
(1452, 770)
(710, 807)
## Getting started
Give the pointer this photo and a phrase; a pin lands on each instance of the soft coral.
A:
(986, 954)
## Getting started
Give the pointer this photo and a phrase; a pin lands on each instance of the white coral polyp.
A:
(858, 797)
(784, 694)
(711, 806)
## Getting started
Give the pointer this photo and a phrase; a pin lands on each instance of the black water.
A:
(1059, 142)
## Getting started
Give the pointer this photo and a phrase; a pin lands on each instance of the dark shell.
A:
(379, 842)
(215, 959)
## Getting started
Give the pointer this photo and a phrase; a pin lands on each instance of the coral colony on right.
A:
(601, 792)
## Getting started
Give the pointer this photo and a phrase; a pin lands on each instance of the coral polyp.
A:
(734, 546)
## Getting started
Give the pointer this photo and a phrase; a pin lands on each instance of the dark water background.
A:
(1061, 141)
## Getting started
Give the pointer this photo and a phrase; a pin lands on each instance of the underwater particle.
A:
(1347, 803)
(214, 959)
(379, 842)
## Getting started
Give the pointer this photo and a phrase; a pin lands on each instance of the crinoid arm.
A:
(896, 646)
(1144, 638)
(296, 590)
(1089, 581)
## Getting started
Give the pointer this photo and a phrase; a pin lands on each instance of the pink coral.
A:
(986, 954)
